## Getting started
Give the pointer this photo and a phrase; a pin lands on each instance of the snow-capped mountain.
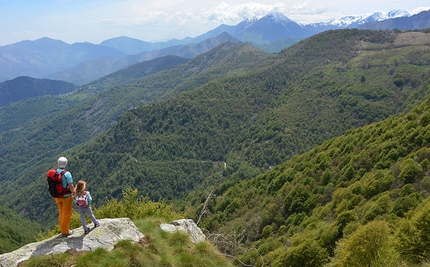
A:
(247, 22)
(416, 21)
(398, 13)
(263, 30)
(352, 21)
(277, 26)
(270, 28)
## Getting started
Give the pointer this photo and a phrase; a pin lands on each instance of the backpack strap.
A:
(67, 186)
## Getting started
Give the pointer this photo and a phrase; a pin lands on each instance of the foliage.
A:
(409, 171)
(16, 230)
(277, 46)
(413, 236)
(368, 245)
(308, 253)
(365, 212)
(135, 207)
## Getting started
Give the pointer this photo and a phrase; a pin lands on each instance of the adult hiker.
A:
(64, 199)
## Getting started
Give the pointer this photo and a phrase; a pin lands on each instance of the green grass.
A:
(158, 248)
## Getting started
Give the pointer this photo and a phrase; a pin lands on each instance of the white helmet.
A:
(62, 162)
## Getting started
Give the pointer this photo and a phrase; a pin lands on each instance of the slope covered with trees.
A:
(37, 141)
(256, 120)
(16, 230)
(360, 199)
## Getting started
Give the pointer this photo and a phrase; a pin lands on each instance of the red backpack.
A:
(55, 184)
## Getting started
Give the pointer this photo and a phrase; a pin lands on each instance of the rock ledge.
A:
(106, 236)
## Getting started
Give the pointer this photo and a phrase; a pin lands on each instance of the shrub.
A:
(369, 245)
(135, 207)
(410, 171)
(407, 203)
(376, 182)
(413, 236)
(379, 207)
(345, 218)
(267, 231)
(308, 253)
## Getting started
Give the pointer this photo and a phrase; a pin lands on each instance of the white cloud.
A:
(233, 14)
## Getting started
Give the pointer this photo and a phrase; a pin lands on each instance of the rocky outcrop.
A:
(106, 236)
(187, 226)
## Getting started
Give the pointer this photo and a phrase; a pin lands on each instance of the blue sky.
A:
(159, 20)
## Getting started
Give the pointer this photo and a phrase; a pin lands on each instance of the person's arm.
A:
(72, 188)
(69, 181)
(89, 198)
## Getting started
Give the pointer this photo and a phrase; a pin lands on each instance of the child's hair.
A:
(80, 187)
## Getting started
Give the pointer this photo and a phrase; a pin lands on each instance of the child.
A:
(83, 201)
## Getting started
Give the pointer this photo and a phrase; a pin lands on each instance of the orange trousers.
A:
(65, 206)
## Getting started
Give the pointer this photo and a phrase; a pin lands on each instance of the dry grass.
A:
(412, 38)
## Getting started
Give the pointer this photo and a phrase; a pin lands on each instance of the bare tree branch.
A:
(203, 211)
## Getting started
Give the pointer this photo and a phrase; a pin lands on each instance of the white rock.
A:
(187, 226)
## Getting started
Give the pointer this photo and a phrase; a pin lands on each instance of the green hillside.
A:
(360, 199)
(16, 230)
(228, 115)
(256, 120)
(25, 87)
(38, 142)
(19, 114)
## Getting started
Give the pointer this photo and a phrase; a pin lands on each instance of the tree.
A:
(308, 253)
(369, 245)
(413, 236)
(410, 171)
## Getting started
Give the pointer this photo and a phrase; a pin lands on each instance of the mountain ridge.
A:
(108, 52)
(106, 65)
(44, 56)
(24, 87)
(420, 21)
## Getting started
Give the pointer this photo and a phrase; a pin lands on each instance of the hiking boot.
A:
(87, 231)
(97, 224)
(69, 233)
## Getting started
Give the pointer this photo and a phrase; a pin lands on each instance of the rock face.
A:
(106, 236)
(187, 226)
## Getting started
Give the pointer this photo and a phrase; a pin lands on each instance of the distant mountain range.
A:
(57, 60)
(44, 57)
(418, 21)
(81, 63)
